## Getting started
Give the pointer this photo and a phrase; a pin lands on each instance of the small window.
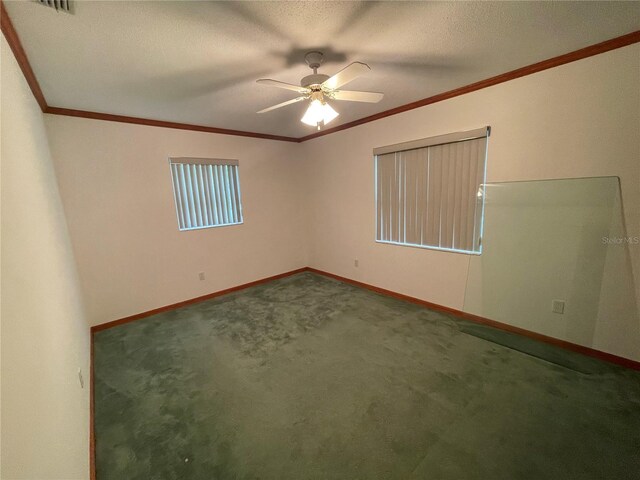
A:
(206, 192)
(428, 192)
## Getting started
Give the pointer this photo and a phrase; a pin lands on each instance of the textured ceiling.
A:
(197, 62)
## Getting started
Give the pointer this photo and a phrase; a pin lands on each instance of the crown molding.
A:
(598, 48)
(16, 46)
(162, 123)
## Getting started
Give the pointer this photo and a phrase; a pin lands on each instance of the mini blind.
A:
(206, 192)
(428, 191)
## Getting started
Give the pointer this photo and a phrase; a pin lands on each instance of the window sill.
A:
(427, 247)
(210, 226)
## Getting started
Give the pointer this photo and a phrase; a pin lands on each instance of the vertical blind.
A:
(206, 192)
(428, 192)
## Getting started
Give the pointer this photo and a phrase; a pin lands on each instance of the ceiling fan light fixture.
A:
(319, 113)
(317, 86)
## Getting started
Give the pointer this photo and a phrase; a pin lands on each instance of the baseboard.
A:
(138, 316)
(607, 357)
(574, 347)
(92, 404)
(173, 306)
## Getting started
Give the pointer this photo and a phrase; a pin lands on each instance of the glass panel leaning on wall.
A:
(428, 192)
(557, 260)
(206, 192)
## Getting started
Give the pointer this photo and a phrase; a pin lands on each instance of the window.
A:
(206, 192)
(428, 192)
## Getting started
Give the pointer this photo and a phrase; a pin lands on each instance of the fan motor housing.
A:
(313, 79)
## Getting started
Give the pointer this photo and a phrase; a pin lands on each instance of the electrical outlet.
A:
(201, 275)
(557, 306)
(356, 262)
(80, 378)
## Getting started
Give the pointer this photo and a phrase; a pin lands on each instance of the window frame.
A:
(450, 138)
(190, 161)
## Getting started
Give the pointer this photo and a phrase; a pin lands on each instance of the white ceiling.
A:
(197, 62)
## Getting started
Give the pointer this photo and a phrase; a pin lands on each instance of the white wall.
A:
(116, 188)
(308, 204)
(45, 338)
(578, 120)
(312, 203)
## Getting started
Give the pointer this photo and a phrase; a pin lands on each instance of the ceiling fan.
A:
(318, 88)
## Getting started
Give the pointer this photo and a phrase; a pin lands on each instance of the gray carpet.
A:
(309, 378)
(559, 356)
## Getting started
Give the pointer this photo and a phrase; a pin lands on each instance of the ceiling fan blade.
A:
(353, 96)
(348, 73)
(283, 104)
(287, 86)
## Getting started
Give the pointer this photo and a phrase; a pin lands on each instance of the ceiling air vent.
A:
(64, 5)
